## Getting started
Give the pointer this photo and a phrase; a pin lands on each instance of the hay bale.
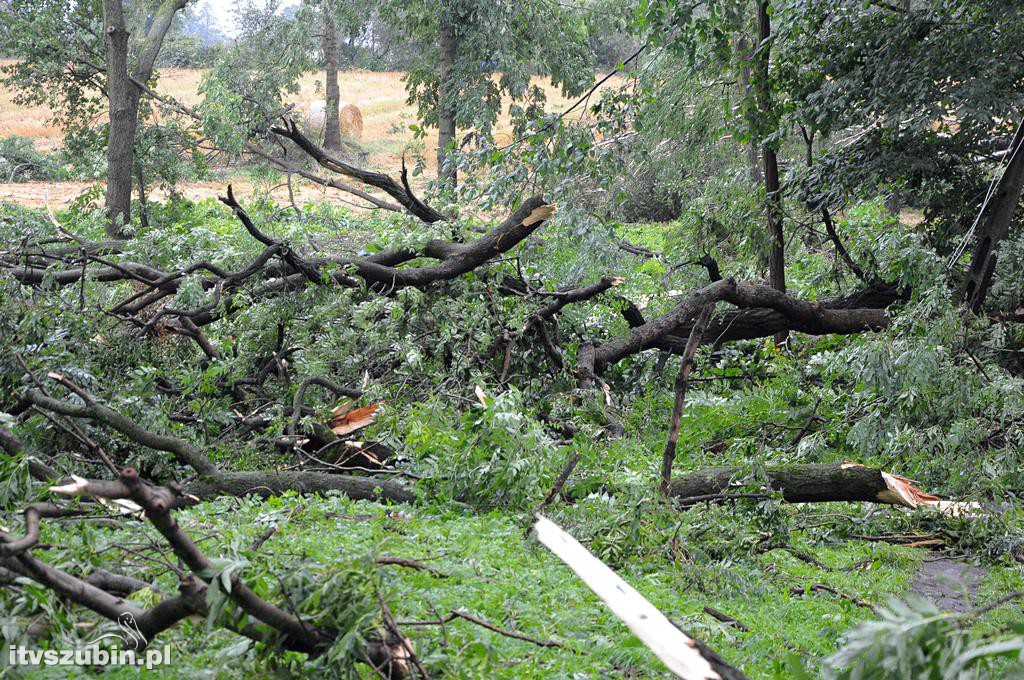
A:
(350, 119)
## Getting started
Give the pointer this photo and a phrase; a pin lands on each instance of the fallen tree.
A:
(281, 267)
(391, 656)
(811, 483)
(763, 312)
(211, 481)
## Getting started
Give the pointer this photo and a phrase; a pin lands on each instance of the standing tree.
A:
(340, 21)
(773, 196)
(124, 91)
(474, 52)
(71, 61)
(332, 129)
(772, 188)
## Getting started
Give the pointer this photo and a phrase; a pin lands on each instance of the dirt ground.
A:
(380, 96)
(61, 194)
(950, 584)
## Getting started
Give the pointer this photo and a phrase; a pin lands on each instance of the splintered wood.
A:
(680, 653)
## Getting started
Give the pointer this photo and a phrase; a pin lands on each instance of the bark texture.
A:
(798, 483)
(448, 46)
(773, 208)
(123, 98)
(332, 127)
(123, 95)
(996, 227)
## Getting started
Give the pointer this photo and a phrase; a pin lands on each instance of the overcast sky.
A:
(224, 11)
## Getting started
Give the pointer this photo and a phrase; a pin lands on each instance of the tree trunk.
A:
(700, 324)
(996, 227)
(123, 98)
(332, 129)
(446, 102)
(776, 256)
(810, 483)
(754, 163)
(123, 95)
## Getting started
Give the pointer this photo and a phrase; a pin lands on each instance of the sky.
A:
(224, 12)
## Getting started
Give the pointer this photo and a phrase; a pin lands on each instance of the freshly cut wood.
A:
(684, 656)
(819, 483)
(345, 420)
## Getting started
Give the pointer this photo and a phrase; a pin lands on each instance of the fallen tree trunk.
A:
(798, 483)
(764, 312)
(810, 483)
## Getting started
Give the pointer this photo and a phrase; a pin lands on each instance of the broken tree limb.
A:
(277, 270)
(684, 656)
(647, 336)
(213, 481)
(560, 480)
(375, 179)
(563, 298)
(290, 631)
(184, 452)
(682, 378)
(283, 164)
(841, 251)
(277, 161)
(457, 258)
(815, 483)
(764, 312)
(39, 470)
(996, 227)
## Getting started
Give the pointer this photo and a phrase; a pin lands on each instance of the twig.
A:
(458, 614)
(409, 563)
(799, 554)
(725, 618)
(263, 538)
(996, 603)
(821, 587)
(560, 481)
